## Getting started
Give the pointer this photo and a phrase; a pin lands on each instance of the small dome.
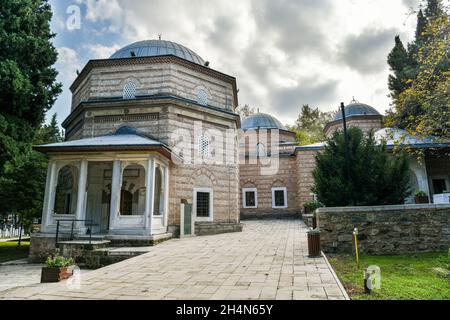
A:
(263, 121)
(357, 109)
(153, 48)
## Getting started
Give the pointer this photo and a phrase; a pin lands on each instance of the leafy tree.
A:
(400, 64)
(245, 111)
(23, 184)
(373, 176)
(422, 104)
(310, 125)
(28, 85)
(49, 133)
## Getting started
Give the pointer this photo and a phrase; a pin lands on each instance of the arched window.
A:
(66, 190)
(261, 150)
(203, 146)
(202, 97)
(129, 90)
(132, 194)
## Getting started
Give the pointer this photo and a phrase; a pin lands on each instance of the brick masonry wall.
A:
(387, 229)
(306, 163)
(366, 125)
(285, 175)
(151, 79)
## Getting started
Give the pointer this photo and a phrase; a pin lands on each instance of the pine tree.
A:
(28, 85)
(421, 24)
(400, 64)
(433, 9)
(374, 177)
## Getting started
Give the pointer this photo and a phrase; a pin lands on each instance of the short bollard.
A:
(314, 250)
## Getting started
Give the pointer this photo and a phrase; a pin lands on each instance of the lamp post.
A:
(347, 165)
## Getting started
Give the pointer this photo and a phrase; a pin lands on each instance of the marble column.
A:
(49, 197)
(116, 186)
(166, 196)
(149, 195)
(80, 213)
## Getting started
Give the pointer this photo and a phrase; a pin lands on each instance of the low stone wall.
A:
(206, 229)
(271, 215)
(41, 246)
(386, 229)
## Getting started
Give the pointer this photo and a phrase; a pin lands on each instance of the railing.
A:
(87, 223)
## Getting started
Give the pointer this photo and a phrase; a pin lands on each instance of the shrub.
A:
(311, 206)
(421, 194)
(370, 176)
(59, 262)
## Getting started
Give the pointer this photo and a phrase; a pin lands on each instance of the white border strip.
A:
(341, 287)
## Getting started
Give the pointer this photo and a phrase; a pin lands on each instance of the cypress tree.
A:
(399, 62)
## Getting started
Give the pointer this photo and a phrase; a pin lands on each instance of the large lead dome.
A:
(152, 48)
(356, 109)
(263, 121)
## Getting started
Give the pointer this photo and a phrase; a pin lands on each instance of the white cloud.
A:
(283, 53)
(98, 51)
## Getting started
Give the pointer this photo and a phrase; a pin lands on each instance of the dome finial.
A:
(354, 100)
(159, 36)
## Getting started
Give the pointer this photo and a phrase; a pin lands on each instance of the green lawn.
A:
(9, 250)
(424, 276)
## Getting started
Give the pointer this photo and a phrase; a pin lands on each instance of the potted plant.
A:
(56, 269)
(311, 206)
(421, 197)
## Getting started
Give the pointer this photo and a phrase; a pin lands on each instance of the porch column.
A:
(80, 213)
(166, 196)
(49, 196)
(149, 195)
(115, 193)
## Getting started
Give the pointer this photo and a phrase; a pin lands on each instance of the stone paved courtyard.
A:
(268, 260)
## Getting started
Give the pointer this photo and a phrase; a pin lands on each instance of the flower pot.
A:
(421, 199)
(55, 274)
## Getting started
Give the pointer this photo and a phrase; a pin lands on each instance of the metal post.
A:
(57, 231)
(355, 237)
(347, 165)
(71, 231)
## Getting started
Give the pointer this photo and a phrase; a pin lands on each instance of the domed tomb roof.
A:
(357, 109)
(153, 48)
(263, 121)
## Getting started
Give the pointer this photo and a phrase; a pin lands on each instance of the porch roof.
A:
(115, 142)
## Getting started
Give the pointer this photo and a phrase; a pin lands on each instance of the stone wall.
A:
(284, 174)
(365, 123)
(153, 79)
(41, 246)
(306, 163)
(386, 230)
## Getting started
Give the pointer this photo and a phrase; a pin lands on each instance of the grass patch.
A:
(9, 250)
(424, 276)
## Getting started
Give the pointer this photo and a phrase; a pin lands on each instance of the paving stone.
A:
(268, 260)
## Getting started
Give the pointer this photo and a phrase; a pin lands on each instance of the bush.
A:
(370, 176)
(311, 206)
(59, 262)
(421, 194)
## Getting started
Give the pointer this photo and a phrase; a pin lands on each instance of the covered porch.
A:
(110, 186)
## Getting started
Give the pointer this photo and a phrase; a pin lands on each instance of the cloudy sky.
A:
(284, 53)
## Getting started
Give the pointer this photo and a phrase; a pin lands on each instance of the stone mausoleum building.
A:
(140, 143)
(276, 174)
(154, 149)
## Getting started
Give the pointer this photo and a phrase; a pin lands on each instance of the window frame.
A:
(126, 89)
(211, 204)
(204, 140)
(244, 198)
(284, 189)
(202, 94)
